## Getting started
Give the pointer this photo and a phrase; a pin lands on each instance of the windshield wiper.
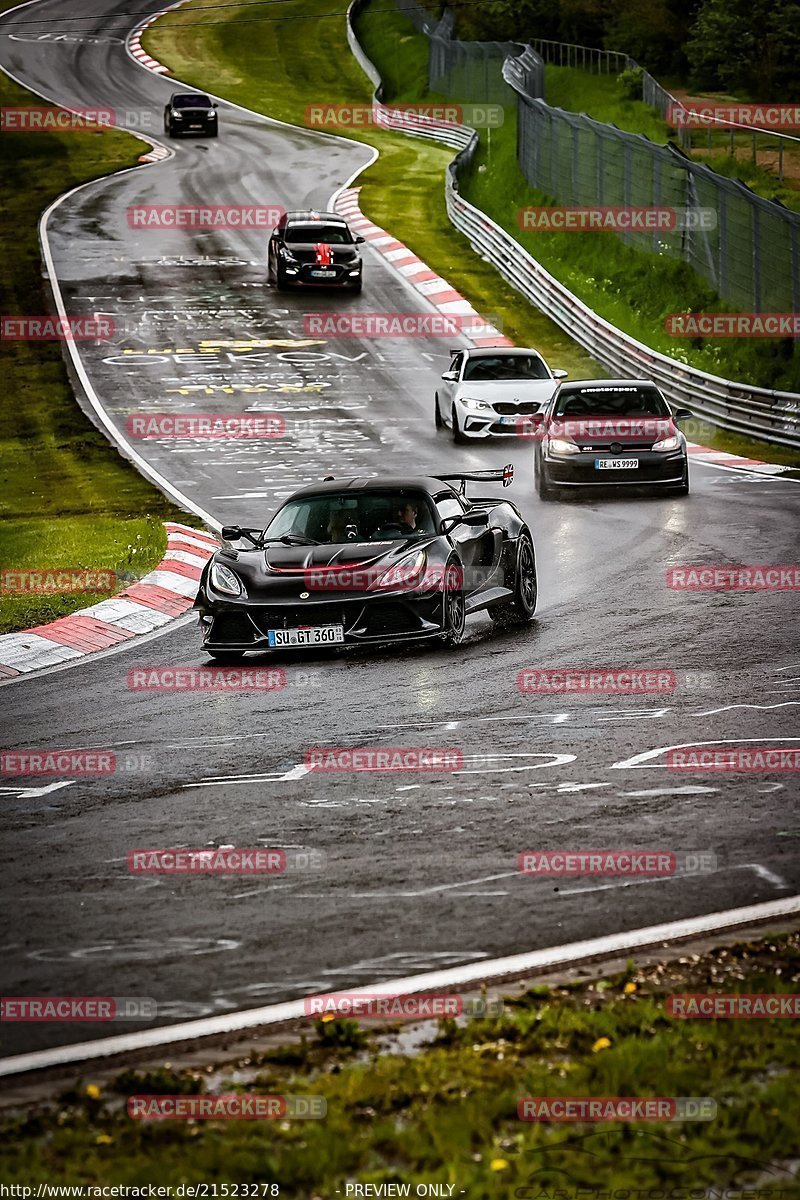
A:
(292, 539)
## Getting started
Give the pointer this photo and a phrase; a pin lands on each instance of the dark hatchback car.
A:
(369, 561)
(190, 112)
(609, 432)
(312, 249)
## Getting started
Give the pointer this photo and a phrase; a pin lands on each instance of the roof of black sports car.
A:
(421, 483)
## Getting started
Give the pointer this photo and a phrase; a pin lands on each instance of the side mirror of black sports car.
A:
(478, 516)
(231, 533)
(682, 414)
(359, 240)
(475, 517)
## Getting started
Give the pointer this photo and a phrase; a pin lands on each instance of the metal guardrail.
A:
(738, 407)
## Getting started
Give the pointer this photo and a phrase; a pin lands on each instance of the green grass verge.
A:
(446, 1111)
(403, 191)
(67, 499)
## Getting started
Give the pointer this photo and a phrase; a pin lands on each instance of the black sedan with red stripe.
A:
(314, 249)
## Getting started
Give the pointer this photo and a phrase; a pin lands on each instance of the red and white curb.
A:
(166, 593)
(721, 458)
(155, 155)
(440, 293)
(437, 291)
(135, 42)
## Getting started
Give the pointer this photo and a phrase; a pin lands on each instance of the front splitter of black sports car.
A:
(391, 617)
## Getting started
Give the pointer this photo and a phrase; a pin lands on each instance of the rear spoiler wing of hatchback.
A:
(504, 475)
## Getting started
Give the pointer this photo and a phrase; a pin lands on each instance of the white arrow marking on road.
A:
(300, 769)
(639, 760)
(40, 791)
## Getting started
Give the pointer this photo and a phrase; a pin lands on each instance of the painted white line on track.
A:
(463, 978)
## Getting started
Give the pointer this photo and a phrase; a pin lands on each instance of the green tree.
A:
(747, 46)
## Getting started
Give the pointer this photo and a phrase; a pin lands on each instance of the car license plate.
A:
(311, 635)
(509, 420)
(325, 274)
(615, 464)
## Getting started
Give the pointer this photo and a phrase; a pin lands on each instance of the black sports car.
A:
(190, 112)
(359, 561)
(312, 249)
(601, 432)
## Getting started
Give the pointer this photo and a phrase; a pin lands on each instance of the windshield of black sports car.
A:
(619, 401)
(336, 518)
(332, 235)
(492, 367)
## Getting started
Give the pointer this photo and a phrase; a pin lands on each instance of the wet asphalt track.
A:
(419, 871)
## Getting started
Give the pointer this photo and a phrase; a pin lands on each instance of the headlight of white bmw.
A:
(559, 446)
(475, 405)
(668, 443)
(224, 580)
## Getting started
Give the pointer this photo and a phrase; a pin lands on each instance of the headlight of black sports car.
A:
(223, 580)
(407, 573)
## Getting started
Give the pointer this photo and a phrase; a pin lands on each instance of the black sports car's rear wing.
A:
(504, 475)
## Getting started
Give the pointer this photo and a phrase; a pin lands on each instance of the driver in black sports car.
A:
(407, 513)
